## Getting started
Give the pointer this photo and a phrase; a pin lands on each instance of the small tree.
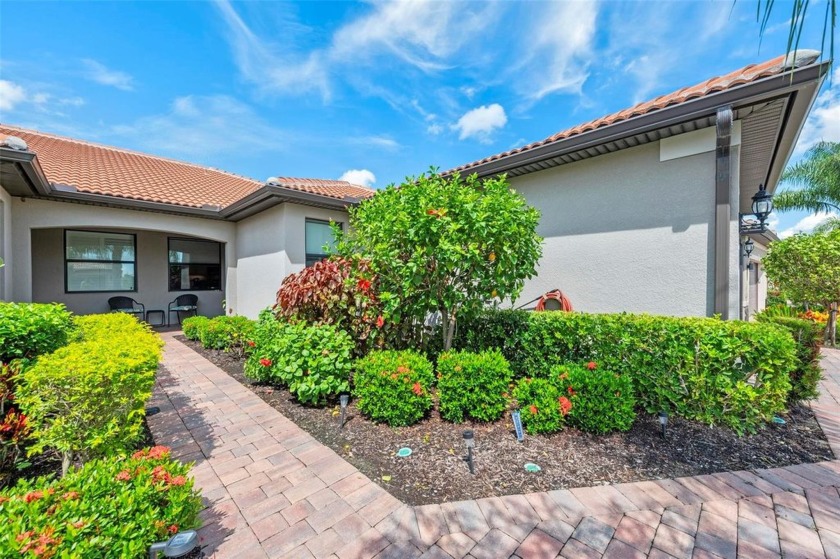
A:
(807, 269)
(445, 244)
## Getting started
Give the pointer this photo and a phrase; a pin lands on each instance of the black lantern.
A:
(762, 203)
(469, 442)
(749, 245)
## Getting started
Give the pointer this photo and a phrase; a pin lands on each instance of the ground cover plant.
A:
(109, 508)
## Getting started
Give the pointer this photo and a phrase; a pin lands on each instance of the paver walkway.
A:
(273, 491)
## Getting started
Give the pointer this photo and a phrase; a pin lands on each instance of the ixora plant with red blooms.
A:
(393, 386)
(444, 244)
(601, 401)
(543, 405)
(108, 508)
(340, 292)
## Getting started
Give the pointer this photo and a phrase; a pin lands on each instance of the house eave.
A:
(272, 195)
(702, 107)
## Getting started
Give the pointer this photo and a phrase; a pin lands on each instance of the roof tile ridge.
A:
(125, 150)
(337, 182)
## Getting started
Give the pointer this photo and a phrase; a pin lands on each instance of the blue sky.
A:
(371, 91)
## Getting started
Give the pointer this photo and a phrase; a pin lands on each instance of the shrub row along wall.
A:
(733, 373)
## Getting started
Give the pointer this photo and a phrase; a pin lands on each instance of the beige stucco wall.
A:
(270, 246)
(37, 269)
(5, 244)
(628, 232)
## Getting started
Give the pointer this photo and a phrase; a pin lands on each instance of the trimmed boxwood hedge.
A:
(719, 372)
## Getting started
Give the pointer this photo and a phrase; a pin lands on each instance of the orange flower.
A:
(418, 390)
(265, 362)
(380, 321)
(251, 343)
(123, 476)
(179, 480)
(158, 452)
(173, 529)
(533, 409)
(70, 495)
(33, 496)
(591, 365)
(565, 405)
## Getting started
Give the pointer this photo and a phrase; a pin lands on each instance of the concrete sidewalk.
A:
(272, 490)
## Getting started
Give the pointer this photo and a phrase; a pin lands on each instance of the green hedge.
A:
(473, 385)
(194, 326)
(87, 399)
(724, 372)
(109, 508)
(31, 329)
(805, 378)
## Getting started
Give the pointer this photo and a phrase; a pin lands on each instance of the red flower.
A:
(33, 496)
(265, 362)
(565, 405)
(417, 389)
(363, 285)
(158, 452)
(251, 343)
(533, 409)
(179, 480)
(123, 476)
(402, 369)
(591, 365)
(173, 529)
(380, 322)
(571, 391)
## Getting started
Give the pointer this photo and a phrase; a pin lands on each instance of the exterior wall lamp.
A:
(749, 245)
(762, 205)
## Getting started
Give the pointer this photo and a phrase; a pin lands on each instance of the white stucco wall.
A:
(628, 232)
(5, 244)
(31, 217)
(270, 246)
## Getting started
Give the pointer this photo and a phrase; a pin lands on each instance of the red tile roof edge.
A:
(742, 76)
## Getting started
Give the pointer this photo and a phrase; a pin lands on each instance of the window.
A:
(194, 265)
(97, 261)
(319, 240)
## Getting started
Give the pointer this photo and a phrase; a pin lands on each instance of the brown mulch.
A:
(436, 471)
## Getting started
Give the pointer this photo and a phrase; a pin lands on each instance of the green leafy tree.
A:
(445, 244)
(807, 269)
(818, 177)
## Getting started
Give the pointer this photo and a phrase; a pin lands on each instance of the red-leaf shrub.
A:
(336, 291)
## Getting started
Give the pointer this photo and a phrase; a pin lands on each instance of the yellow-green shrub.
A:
(31, 329)
(87, 399)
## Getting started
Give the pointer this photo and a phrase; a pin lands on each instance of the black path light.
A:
(469, 441)
(178, 545)
(762, 205)
(663, 421)
(343, 399)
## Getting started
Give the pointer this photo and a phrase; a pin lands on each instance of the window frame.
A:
(67, 290)
(169, 263)
(320, 256)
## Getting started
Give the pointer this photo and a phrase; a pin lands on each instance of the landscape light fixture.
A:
(178, 545)
(749, 245)
(469, 441)
(663, 421)
(343, 399)
(762, 205)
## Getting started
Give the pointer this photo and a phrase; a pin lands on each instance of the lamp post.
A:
(469, 441)
(663, 421)
(748, 246)
(343, 399)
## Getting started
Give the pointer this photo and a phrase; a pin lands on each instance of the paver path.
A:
(273, 491)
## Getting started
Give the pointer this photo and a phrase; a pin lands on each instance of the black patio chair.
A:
(183, 303)
(127, 305)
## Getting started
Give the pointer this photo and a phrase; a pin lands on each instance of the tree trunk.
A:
(66, 461)
(831, 327)
(448, 327)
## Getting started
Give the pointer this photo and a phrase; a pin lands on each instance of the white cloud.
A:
(434, 129)
(481, 122)
(382, 142)
(200, 126)
(823, 123)
(101, 74)
(358, 176)
(11, 94)
(807, 224)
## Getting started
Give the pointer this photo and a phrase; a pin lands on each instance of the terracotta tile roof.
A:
(111, 171)
(750, 73)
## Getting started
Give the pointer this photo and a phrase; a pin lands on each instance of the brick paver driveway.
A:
(274, 491)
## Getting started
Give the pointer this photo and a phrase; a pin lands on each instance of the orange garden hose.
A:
(554, 301)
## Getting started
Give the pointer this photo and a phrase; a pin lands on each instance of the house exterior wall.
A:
(37, 254)
(5, 244)
(152, 279)
(270, 246)
(628, 232)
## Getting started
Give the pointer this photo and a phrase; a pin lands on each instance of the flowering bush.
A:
(108, 508)
(393, 386)
(313, 361)
(601, 401)
(194, 326)
(473, 384)
(815, 316)
(543, 405)
(31, 329)
(338, 291)
(87, 399)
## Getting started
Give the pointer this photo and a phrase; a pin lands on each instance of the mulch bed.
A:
(436, 471)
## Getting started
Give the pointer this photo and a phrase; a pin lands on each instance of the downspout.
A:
(723, 125)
